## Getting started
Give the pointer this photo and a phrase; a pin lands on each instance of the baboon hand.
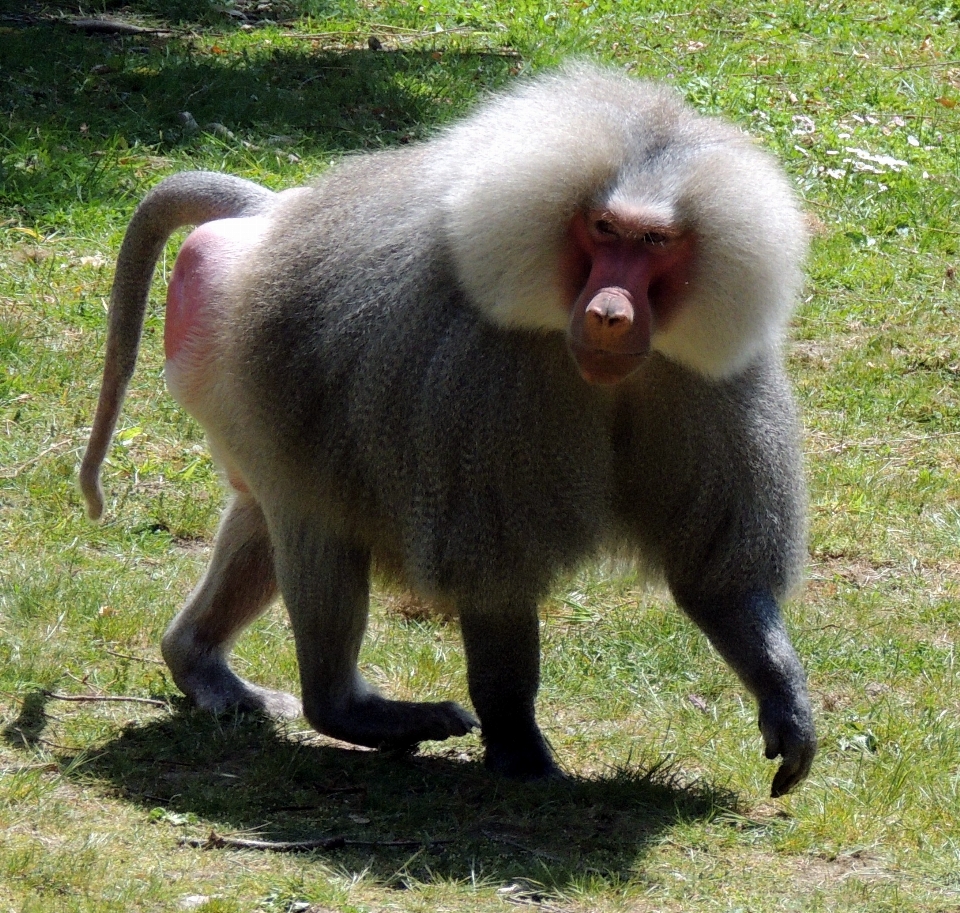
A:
(786, 724)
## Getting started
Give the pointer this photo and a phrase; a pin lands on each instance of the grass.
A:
(666, 809)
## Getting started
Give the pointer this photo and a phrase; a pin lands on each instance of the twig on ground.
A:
(136, 659)
(215, 841)
(22, 768)
(14, 471)
(113, 27)
(95, 698)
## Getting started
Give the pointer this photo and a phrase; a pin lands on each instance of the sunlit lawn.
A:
(667, 805)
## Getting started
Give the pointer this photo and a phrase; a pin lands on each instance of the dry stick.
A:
(14, 471)
(136, 659)
(921, 66)
(113, 27)
(391, 31)
(217, 841)
(95, 698)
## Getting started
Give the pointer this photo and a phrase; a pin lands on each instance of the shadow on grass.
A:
(452, 819)
(78, 109)
(27, 729)
(182, 12)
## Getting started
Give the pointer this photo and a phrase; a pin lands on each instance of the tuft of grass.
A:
(665, 808)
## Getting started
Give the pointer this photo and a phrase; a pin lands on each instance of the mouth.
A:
(605, 368)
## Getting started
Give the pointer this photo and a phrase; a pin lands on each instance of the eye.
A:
(656, 238)
(606, 228)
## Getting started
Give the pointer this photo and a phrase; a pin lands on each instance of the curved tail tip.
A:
(94, 505)
(92, 494)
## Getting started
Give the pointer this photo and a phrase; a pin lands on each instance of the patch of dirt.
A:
(941, 579)
(819, 871)
(414, 608)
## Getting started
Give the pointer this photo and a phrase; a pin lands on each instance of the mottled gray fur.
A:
(391, 381)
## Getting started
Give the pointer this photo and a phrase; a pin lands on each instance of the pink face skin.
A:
(625, 275)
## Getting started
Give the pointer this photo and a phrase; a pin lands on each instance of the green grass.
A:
(666, 808)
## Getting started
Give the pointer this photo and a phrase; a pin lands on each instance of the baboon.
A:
(548, 333)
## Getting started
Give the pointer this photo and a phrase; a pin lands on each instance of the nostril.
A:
(609, 313)
(607, 320)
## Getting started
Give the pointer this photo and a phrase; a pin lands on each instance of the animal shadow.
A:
(430, 816)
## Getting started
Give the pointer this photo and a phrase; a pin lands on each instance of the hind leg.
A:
(238, 586)
(325, 584)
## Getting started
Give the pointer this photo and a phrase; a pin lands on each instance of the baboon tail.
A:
(190, 198)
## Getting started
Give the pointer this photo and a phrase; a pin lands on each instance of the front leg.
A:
(502, 643)
(747, 630)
